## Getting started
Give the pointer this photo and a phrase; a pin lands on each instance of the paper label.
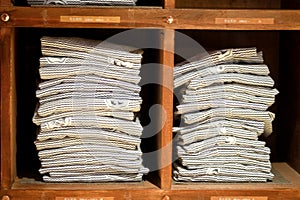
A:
(84, 198)
(238, 198)
(90, 19)
(244, 20)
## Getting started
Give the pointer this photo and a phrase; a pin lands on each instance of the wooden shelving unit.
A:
(271, 26)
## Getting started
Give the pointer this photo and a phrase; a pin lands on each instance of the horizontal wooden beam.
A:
(202, 19)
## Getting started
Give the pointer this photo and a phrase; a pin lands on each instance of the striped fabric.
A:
(250, 125)
(243, 55)
(246, 79)
(223, 106)
(69, 104)
(262, 70)
(268, 101)
(88, 103)
(238, 88)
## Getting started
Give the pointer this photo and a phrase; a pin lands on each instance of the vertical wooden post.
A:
(8, 108)
(166, 95)
(169, 4)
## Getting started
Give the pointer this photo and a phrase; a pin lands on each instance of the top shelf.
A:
(152, 17)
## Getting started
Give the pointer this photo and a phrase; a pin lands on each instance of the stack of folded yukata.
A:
(84, 2)
(88, 100)
(223, 109)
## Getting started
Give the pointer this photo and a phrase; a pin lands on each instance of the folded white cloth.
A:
(68, 61)
(89, 95)
(54, 46)
(215, 151)
(65, 142)
(235, 96)
(55, 72)
(91, 149)
(261, 70)
(90, 79)
(38, 120)
(250, 125)
(91, 121)
(204, 134)
(88, 133)
(80, 87)
(234, 87)
(218, 103)
(88, 104)
(222, 140)
(265, 116)
(238, 55)
(95, 178)
(247, 79)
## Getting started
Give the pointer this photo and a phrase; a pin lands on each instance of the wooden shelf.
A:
(152, 17)
(273, 29)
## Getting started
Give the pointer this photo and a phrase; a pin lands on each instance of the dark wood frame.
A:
(155, 17)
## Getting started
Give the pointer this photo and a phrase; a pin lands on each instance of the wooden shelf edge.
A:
(30, 184)
(202, 19)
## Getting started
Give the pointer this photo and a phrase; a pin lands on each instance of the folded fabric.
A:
(91, 149)
(222, 140)
(38, 120)
(73, 104)
(250, 125)
(221, 170)
(223, 101)
(236, 96)
(219, 178)
(223, 152)
(204, 134)
(220, 174)
(70, 161)
(67, 61)
(214, 150)
(89, 133)
(218, 103)
(95, 178)
(108, 123)
(65, 142)
(238, 55)
(91, 47)
(261, 70)
(88, 103)
(94, 154)
(194, 164)
(247, 79)
(234, 87)
(266, 116)
(90, 79)
(80, 87)
(65, 71)
(104, 169)
(90, 95)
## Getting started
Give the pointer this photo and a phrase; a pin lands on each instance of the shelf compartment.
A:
(19, 84)
(280, 49)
